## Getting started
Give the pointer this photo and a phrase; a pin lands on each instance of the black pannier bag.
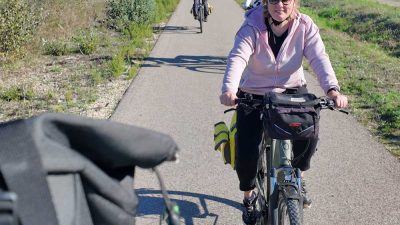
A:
(59, 169)
(291, 116)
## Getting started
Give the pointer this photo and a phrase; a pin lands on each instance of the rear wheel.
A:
(289, 211)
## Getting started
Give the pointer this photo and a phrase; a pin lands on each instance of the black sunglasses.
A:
(274, 2)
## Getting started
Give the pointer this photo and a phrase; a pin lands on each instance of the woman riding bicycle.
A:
(267, 56)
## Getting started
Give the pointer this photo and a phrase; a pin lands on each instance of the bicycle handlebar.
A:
(328, 103)
(325, 103)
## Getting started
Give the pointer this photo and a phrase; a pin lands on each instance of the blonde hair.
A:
(292, 15)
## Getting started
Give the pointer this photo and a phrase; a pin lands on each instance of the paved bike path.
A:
(395, 3)
(353, 179)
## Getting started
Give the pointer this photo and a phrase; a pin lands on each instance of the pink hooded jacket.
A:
(253, 68)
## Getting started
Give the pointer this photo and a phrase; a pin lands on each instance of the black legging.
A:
(196, 3)
(249, 135)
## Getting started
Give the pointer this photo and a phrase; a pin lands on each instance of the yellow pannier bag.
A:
(225, 140)
(210, 8)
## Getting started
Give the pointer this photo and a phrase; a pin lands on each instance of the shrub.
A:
(95, 77)
(56, 48)
(117, 65)
(17, 24)
(87, 42)
(120, 13)
(16, 93)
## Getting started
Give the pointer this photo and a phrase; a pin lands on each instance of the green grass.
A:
(164, 9)
(365, 20)
(368, 73)
(17, 93)
(56, 48)
(117, 66)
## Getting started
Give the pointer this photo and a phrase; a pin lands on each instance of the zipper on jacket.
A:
(283, 49)
(285, 42)
(270, 52)
(276, 63)
(277, 73)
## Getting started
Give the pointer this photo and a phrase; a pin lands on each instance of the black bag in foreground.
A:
(292, 116)
(59, 169)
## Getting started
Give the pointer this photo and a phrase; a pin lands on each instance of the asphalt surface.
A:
(353, 179)
(391, 2)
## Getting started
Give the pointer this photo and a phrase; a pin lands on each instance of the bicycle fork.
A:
(282, 178)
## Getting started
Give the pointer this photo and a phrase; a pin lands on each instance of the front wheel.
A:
(262, 186)
(289, 211)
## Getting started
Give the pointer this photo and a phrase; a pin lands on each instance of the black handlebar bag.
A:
(291, 116)
(59, 169)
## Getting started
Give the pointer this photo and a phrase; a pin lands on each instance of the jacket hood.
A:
(255, 17)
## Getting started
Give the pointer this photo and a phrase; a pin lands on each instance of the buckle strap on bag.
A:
(22, 170)
(308, 99)
(8, 205)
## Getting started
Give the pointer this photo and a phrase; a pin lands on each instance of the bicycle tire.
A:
(201, 17)
(289, 211)
(262, 187)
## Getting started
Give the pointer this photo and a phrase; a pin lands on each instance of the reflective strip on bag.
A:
(221, 135)
(225, 140)
(221, 140)
(232, 139)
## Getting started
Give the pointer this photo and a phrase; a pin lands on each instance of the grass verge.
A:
(368, 73)
(75, 65)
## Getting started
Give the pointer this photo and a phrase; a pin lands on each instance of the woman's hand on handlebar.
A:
(228, 98)
(340, 100)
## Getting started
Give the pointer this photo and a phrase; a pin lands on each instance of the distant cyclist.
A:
(267, 56)
(249, 4)
(195, 7)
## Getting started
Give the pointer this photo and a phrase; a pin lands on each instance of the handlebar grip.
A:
(330, 103)
(173, 217)
(249, 101)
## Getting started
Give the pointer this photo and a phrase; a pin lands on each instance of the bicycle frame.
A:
(200, 10)
(278, 183)
(281, 177)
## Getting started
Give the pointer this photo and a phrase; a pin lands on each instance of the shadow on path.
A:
(203, 64)
(177, 30)
(154, 205)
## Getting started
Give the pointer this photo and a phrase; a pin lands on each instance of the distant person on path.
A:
(267, 56)
(249, 4)
(194, 9)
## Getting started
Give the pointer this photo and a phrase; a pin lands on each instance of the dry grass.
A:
(31, 83)
(64, 17)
